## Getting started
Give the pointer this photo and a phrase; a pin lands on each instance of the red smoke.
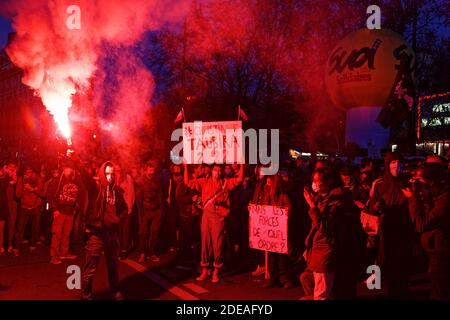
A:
(59, 62)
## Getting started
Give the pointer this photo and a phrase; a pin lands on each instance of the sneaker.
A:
(2, 250)
(55, 260)
(259, 271)
(118, 296)
(16, 252)
(32, 249)
(141, 258)
(39, 243)
(204, 275)
(215, 276)
(10, 249)
(155, 258)
(68, 257)
(172, 249)
(24, 241)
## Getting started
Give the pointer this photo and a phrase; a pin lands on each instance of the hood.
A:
(388, 158)
(101, 173)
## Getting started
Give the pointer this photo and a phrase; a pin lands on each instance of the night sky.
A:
(5, 28)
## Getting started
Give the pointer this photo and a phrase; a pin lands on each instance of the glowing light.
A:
(57, 98)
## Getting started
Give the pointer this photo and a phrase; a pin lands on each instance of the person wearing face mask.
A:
(30, 191)
(185, 198)
(65, 196)
(102, 232)
(149, 203)
(395, 232)
(429, 208)
(214, 191)
(171, 216)
(335, 245)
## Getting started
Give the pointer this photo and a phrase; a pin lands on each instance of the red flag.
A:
(242, 114)
(180, 116)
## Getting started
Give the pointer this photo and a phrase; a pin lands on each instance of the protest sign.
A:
(268, 228)
(212, 142)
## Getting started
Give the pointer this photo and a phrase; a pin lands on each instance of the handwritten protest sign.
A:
(212, 142)
(268, 228)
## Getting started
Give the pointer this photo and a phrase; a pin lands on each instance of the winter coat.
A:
(336, 239)
(30, 199)
(432, 221)
(109, 206)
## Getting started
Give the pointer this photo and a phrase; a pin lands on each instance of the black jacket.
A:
(101, 215)
(432, 221)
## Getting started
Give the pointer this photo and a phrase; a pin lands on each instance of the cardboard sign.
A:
(268, 228)
(212, 142)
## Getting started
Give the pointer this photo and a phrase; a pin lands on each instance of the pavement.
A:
(30, 276)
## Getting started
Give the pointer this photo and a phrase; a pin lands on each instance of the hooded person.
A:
(395, 232)
(102, 231)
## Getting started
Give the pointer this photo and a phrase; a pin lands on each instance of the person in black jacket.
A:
(395, 232)
(102, 232)
(185, 198)
(149, 202)
(429, 208)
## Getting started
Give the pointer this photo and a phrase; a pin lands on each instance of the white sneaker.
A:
(55, 260)
(68, 257)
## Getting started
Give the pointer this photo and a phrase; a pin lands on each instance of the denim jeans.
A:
(106, 241)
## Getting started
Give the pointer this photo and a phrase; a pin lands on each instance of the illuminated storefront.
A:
(433, 123)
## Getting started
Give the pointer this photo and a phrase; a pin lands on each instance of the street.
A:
(31, 277)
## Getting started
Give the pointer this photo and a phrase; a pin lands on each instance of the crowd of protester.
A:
(342, 218)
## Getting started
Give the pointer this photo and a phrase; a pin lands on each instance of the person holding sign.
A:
(270, 193)
(335, 245)
(214, 191)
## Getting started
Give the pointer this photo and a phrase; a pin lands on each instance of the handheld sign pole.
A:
(266, 275)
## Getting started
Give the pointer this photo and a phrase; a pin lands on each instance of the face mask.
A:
(215, 175)
(315, 187)
(110, 178)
